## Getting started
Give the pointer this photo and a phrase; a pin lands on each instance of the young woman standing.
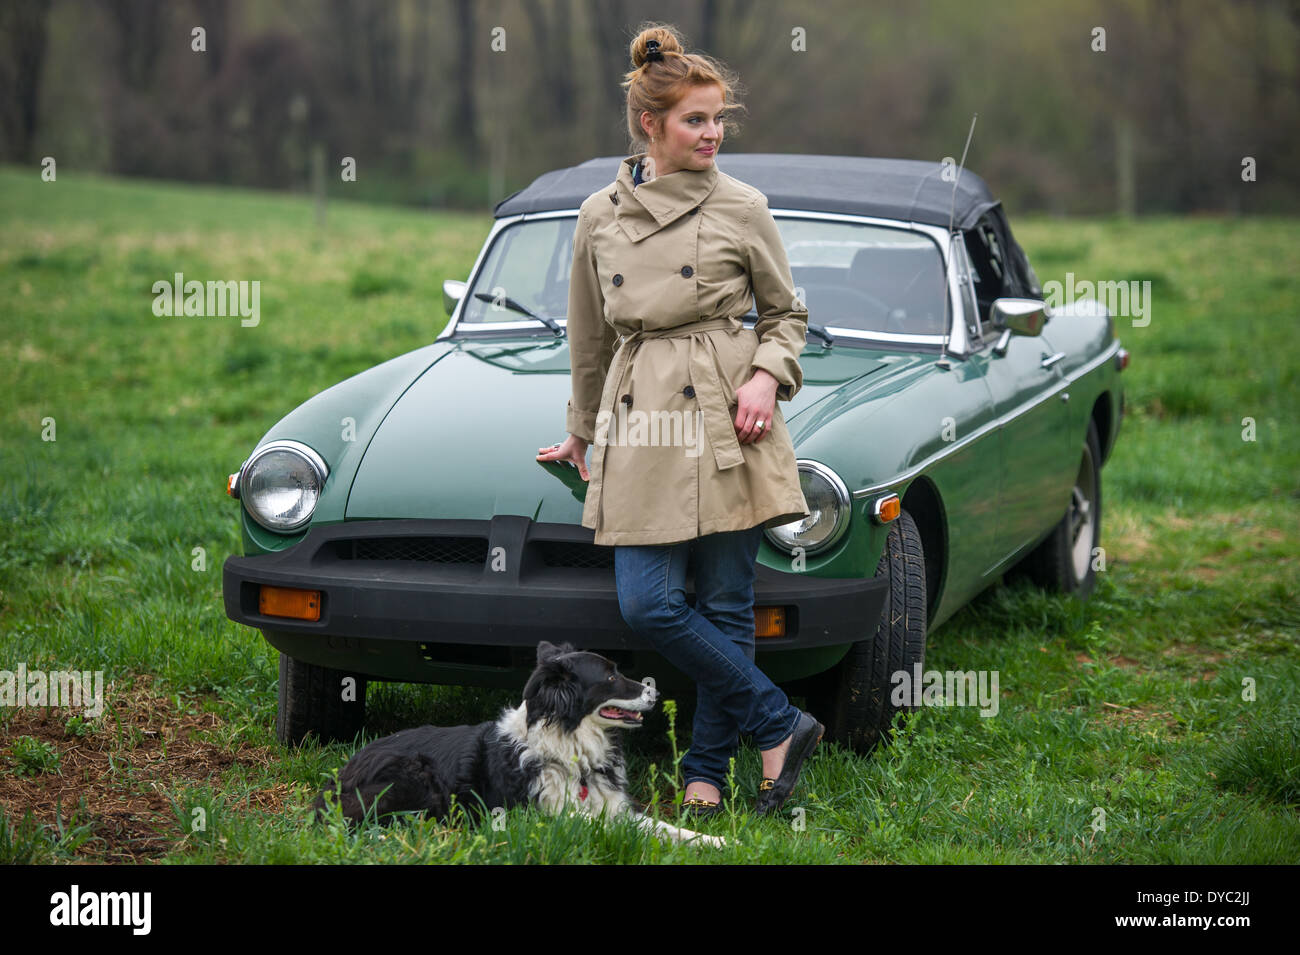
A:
(665, 261)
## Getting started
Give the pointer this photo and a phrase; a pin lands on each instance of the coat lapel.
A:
(643, 211)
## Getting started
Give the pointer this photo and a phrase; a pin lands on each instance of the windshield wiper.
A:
(514, 306)
(818, 330)
(821, 332)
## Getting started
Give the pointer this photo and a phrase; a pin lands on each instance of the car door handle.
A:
(1050, 360)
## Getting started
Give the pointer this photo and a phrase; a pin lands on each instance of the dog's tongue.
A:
(614, 713)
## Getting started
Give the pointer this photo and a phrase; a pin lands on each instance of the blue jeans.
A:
(713, 643)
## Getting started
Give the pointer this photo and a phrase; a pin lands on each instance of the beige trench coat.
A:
(661, 275)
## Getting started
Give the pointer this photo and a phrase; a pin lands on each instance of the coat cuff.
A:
(580, 424)
(775, 360)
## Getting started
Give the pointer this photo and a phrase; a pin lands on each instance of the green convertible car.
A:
(951, 428)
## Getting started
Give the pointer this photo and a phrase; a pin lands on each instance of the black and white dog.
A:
(558, 750)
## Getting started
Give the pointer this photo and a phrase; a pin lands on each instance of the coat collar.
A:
(649, 207)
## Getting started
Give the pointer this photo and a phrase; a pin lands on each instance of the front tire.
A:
(316, 699)
(856, 694)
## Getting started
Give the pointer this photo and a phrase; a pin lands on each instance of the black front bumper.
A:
(406, 599)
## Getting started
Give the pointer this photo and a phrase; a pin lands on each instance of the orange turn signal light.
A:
(287, 602)
(886, 509)
(769, 621)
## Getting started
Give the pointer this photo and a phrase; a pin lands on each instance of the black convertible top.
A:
(906, 189)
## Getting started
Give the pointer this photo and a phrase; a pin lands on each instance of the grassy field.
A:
(1133, 704)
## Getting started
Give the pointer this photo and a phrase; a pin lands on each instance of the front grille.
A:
(575, 554)
(473, 550)
(437, 550)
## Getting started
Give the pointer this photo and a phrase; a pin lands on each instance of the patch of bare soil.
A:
(1210, 660)
(1115, 661)
(1132, 538)
(1144, 718)
(138, 749)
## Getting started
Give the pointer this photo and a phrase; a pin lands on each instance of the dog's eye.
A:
(611, 678)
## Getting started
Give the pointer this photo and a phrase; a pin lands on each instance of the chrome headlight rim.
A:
(309, 455)
(844, 500)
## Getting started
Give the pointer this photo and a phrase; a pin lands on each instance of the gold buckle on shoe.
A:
(699, 801)
(766, 785)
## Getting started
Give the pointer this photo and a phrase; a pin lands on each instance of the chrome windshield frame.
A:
(956, 344)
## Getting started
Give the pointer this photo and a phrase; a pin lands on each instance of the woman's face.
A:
(692, 132)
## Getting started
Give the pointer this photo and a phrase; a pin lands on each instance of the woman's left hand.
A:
(755, 402)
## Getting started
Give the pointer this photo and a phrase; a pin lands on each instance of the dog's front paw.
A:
(716, 842)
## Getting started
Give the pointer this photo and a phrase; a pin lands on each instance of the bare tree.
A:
(550, 44)
(464, 108)
(24, 28)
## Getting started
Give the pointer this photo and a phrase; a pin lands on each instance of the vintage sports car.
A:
(951, 427)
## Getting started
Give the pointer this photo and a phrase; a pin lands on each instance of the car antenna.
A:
(952, 212)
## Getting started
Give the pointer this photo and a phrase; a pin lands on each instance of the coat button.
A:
(627, 400)
(687, 271)
(618, 278)
(689, 391)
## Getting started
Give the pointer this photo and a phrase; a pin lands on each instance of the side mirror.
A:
(1018, 316)
(453, 291)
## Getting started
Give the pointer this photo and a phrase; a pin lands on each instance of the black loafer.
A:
(700, 808)
(772, 793)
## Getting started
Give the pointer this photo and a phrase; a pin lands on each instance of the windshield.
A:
(866, 278)
(853, 277)
(529, 264)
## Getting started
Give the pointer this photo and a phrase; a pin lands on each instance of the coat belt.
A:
(703, 373)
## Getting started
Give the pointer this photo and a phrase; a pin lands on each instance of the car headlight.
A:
(281, 485)
(830, 505)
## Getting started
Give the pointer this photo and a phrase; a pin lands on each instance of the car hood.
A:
(462, 440)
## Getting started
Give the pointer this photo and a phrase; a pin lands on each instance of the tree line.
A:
(1084, 106)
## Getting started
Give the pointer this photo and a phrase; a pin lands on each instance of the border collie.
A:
(559, 750)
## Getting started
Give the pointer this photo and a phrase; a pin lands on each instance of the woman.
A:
(691, 453)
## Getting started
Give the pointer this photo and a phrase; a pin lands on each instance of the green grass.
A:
(1156, 723)
(32, 757)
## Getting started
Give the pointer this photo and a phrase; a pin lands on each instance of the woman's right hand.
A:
(573, 450)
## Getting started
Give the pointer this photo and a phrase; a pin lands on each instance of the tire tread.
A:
(859, 705)
(310, 702)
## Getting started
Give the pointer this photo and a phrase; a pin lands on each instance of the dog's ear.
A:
(553, 693)
(547, 651)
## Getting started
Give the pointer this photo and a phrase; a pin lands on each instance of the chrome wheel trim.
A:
(1081, 517)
